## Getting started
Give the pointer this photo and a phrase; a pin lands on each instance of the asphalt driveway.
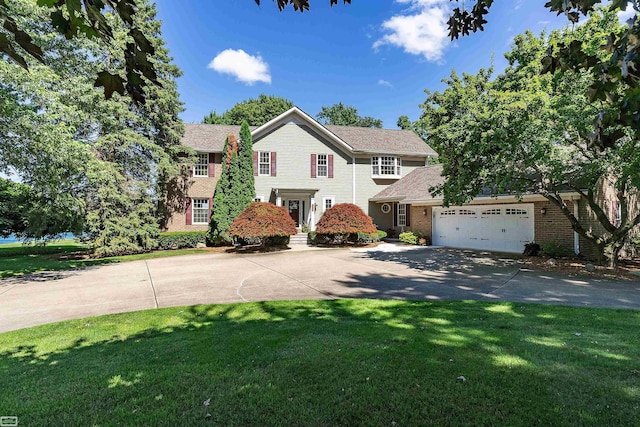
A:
(389, 272)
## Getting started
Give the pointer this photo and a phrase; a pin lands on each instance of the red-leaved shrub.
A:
(262, 221)
(345, 218)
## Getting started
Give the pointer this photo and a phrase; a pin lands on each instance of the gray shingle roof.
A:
(369, 140)
(414, 186)
(372, 140)
(208, 137)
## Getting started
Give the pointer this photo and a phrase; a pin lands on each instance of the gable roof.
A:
(382, 141)
(414, 186)
(208, 138)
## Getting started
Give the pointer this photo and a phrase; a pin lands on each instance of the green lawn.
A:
(17, 259)
(326, 363)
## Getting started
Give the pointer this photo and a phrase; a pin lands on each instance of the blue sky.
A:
(376, 55)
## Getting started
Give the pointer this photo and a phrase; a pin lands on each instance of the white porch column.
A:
(279, 201)
(312, 220)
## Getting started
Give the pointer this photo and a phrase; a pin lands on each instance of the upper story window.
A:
(385, 166)
(201, 168)
(264, 163)
(322, 166)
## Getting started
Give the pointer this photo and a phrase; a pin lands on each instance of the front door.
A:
(294, 211)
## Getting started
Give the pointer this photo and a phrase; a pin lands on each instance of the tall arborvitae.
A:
(220, 223)
(246, 179)
(235, 189)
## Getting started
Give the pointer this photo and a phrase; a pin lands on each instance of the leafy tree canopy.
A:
(255, 112)
(89, 18)
(95, 167)
(531, 132)
(344, 115)
(615, 62)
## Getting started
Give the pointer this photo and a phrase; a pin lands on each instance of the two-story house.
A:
(307, 167)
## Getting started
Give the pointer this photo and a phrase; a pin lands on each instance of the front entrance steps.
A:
(298, 239)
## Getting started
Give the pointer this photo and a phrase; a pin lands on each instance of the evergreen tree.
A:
(246, 179)
(95, 166)
(235, 189)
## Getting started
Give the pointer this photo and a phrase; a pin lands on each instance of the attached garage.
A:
(500, 227)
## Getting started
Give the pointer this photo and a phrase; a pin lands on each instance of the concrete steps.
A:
(298, 239)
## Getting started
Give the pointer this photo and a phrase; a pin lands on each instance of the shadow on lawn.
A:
(342, 362)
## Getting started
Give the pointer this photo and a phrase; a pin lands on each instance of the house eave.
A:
(483, 200)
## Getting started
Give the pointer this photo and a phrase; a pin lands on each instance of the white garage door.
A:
(504, 228)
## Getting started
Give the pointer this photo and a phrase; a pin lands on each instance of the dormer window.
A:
(385, 167)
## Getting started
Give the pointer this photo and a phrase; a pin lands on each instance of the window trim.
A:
(324, 202)
(326, 166)
(402, 215)
(260, 163)
(206, 166)
(376, 164)
(194, 209)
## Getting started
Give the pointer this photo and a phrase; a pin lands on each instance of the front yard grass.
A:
(319, 363)
(17, 259)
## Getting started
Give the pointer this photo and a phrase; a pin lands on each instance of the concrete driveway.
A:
(389, 272)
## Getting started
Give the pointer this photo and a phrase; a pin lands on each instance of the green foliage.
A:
(530, 132)
(409, 237)
(312, 237)
(381, 234)
(235, 189)
(181, 239)
(255, 112)
(97, 167)
(263, 222)
(14, 200)
(611, 60)
(344, 115)
(364, 238)
(555, 250)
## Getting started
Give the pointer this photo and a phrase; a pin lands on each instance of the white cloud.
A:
(246, 68)
(384, 83)
(420, 30)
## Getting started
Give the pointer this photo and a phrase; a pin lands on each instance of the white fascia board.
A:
(256, 133)
(488, 200)
(364, 153)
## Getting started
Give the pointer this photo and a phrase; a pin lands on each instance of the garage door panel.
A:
(490, 227)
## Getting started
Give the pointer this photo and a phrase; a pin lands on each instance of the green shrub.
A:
(181, 239)
(382, 234)
(414, 238)
(364, 238)
(311, 237)
(555, 250)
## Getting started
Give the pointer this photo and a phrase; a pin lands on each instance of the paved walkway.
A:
(385, 272)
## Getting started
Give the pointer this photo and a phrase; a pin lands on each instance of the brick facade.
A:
(421, 220)
(553, 226)
(201, 188)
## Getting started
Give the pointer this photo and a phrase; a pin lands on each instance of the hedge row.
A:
(181, 239)
(316, 238)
